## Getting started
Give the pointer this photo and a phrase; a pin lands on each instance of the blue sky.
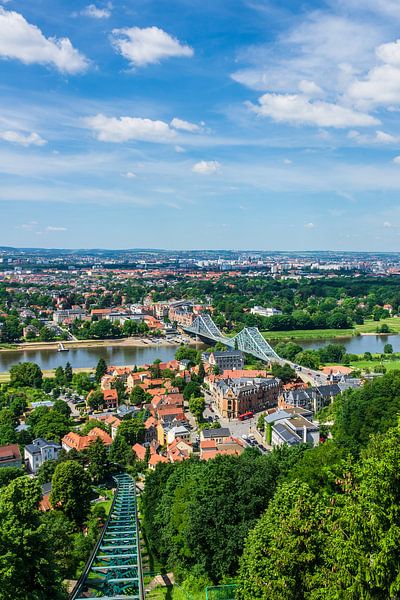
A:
(212, 124)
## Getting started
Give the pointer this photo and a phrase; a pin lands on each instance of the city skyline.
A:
(221, 125)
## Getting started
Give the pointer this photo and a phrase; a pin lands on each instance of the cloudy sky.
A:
(213, 124)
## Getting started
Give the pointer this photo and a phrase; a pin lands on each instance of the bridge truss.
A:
(249, 340)
(114, 569)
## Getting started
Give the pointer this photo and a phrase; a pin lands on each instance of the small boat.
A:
(62, 348)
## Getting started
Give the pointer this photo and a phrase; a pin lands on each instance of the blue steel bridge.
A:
(249, 340)
(114, 569)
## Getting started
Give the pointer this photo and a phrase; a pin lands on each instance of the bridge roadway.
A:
(114, 570)
(250, 341)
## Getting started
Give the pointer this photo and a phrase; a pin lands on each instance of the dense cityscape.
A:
(199, 300)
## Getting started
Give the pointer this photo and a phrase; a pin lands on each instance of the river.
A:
(88, 357)
(131, 355)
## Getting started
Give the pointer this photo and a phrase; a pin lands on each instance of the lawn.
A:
(369, 326)
(307, 334)
(173, 592)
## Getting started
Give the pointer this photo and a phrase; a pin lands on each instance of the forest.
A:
(298, 523)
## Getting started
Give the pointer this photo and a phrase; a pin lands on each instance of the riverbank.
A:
(132, 342)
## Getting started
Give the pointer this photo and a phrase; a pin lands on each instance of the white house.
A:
(179, 431)
(39, 451)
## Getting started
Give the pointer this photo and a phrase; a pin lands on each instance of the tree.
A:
(95, 399)
(132, 430)
(26, 374)
(62, 408)
(27, 569)
(121, 452)
(8, 434)
(268, 569)
(71, 491)
(46, 471)
(59, 376)
(81, 382)
(283, 372)
(98, 461)
(388, 349)
(308, 358)
(196, 407)
(192, 388)
(68, 373)
(138, 396)
(8, 474)
(261, 423)
(101, 370)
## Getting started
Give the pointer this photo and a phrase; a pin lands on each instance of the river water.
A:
(88, 357)
(129, 355)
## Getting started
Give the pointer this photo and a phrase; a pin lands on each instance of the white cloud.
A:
(385, 138)
(29, 226)
(25, 42)
(142, 47)
(130, 175)
(293, 108)
(53, 228)
(396, 160)
(124, 129)
(206, 167)
(310, 88)
(93, 11)
(287, 161)
(23, 139)
(184, 125)
(309, 225)
(180, 150)
(387, 224)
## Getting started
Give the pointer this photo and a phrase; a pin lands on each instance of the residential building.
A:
(10, 456)
(81, 442)
(234, 397)
(217, 435)
(39, 452)
(226, 360)
(179, 431)
(290, 427)
(265, 312)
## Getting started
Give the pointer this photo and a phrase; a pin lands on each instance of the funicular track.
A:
(114, 570)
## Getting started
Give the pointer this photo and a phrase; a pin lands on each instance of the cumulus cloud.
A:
(25, 42)
(294, 108)
(54, 228)
(396, 160)
(310, 88)
(142, 47)
(14, 137)
(309, 225)
(93, 11)
(381, 85)
(206, 167)
(125, 129)
(184, 125)
(130, 175)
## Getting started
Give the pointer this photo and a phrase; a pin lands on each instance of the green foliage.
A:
(132, 431)
(373, 408)
(8, 474)
(101, 369)
(61, 407)
(192, 388)
(46, 471)
(138, 396)
(82, 383)
(26, 374)
(99, 466)
(308, 358)
(197, 514)
(71, 491)
(121, 452)
(95, 400)
(48, 423)
(8, 435)
(284, 549)
(283, 372)
(196, 407)
(187, 353)
(27, 568)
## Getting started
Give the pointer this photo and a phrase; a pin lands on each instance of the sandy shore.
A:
(130, 341)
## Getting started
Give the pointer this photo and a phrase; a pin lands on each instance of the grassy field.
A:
(172, 592)
(308, 334)
(369, 326)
